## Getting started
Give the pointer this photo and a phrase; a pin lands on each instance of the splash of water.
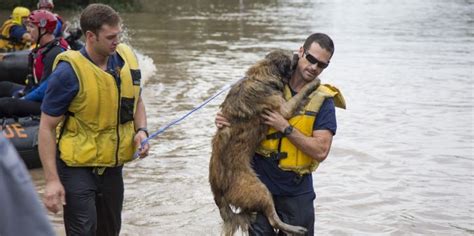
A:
(147, 66)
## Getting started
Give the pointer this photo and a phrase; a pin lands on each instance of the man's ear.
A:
(301, 52)
(89, 34)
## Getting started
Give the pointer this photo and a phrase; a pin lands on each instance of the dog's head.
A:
(281, 60)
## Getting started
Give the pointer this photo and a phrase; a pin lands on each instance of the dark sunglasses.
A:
(314, 61)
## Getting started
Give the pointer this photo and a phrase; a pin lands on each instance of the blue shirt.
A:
(63, 85)
(17, 32)
(57, 32)
(288, 183)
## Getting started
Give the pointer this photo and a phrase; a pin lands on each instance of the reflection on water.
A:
(402, 161)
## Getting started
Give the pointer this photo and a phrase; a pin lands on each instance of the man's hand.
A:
(139, 137)
(275, 120)
(221, 121)
(54, 196)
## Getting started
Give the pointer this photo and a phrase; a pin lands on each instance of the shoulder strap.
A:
(339, 100)
(64, 56)
(127, 55)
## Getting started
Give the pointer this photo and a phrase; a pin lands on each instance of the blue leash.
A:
(165, 127)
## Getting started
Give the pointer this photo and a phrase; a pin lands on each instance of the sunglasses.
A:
(315, 61)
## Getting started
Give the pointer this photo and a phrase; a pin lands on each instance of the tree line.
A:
(72, 4)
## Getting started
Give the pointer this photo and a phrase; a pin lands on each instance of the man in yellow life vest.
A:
(95, 93)
(293, 149)
(13, 33)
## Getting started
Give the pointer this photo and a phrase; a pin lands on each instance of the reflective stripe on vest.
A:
(279, 147)
(100, 130)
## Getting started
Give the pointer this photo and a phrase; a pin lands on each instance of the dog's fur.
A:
(233, 181)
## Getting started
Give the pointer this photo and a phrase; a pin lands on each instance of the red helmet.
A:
(44, 19)
(48, 4)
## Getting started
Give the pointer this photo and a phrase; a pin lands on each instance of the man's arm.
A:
(317, 146)
(140, 122)
(54, 195)
(37, 94)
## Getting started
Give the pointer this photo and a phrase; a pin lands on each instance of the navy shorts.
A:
(93, 202)
(294, 210)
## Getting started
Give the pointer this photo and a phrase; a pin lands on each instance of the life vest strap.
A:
(276, 135)
(276, 156)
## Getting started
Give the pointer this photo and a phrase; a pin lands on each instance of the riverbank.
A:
(122, 5)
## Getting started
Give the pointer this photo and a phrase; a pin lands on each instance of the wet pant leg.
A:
(80, 217)
(294, 210)
(109, 202)
(93, 201)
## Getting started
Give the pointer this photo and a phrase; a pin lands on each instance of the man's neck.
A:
(47, 38)
(99, 60)
(296, 82)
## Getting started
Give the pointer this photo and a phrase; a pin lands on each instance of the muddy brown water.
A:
(402, 159)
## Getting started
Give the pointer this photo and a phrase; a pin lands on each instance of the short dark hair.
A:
(97, 14)
(322, 39)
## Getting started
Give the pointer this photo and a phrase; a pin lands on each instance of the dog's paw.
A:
(296, 230)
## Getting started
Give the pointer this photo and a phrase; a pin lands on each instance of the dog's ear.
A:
(282, 62)
(294, 61)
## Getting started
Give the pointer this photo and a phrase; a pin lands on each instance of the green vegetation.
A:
(120, 5)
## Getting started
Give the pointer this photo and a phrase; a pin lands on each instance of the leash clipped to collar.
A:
(165, 127)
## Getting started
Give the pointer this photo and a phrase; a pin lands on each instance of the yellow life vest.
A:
(6, 43)
(99, 129)
(279, 147)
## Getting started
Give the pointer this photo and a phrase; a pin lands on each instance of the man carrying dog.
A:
(284, 162)
(95, 94)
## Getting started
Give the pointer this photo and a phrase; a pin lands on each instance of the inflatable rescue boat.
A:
(23, 134)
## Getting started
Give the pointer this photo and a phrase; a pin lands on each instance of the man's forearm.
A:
(316, 147)
(140, 115)
(47, 151)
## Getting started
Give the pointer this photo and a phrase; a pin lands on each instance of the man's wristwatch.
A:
(144, 130)
(288, 130)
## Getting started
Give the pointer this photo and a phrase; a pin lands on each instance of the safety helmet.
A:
(45, 4)
(18, 13)
(44, 19)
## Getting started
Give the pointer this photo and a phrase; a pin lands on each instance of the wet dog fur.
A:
(234, 183)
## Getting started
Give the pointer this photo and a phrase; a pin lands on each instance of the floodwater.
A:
(402, 159)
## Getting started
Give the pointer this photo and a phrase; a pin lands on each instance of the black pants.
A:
(298, 210)
(16, 107)
(93, 202)
(7, 88)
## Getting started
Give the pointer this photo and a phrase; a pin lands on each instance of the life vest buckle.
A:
(276, 156)
(98, 170)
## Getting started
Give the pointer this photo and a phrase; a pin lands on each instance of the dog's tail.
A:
(234, 221)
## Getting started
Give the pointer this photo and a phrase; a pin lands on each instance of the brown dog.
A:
(233, 181)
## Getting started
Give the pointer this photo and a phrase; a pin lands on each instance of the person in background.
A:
(95, 94)
(13, 33)
(284, 162)
(22, 212)
(72, 36)
(48, 5)
(18, 100)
